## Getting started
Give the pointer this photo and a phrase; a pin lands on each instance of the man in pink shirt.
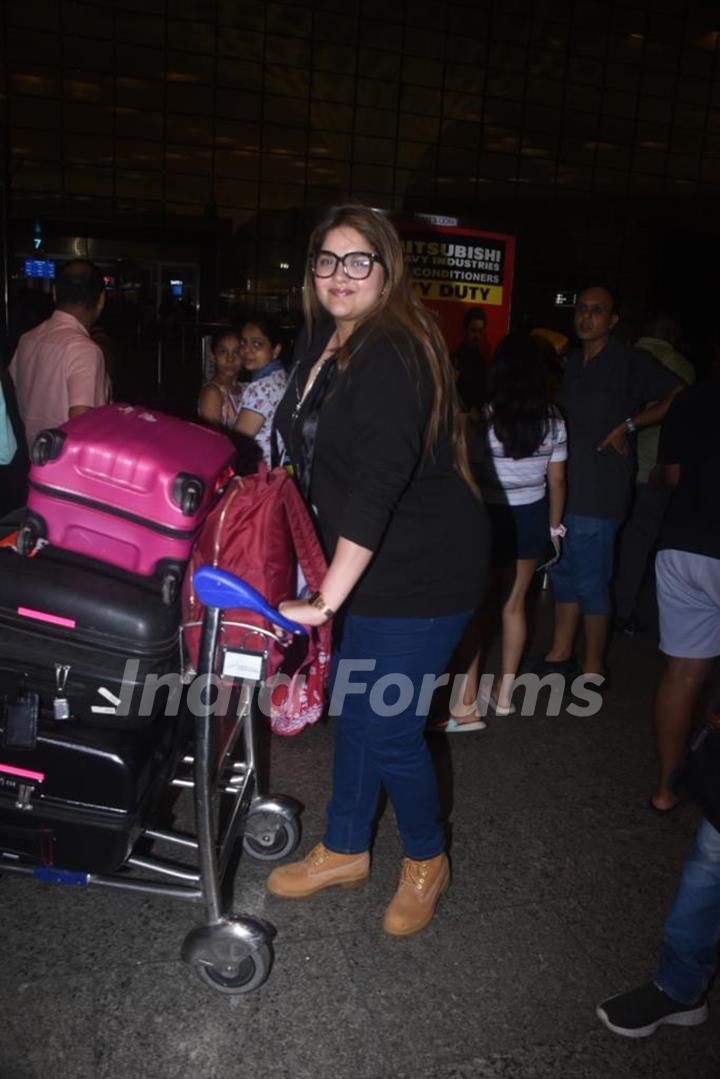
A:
(57, 368)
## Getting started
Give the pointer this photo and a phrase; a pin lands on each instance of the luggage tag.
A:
(60, 704)
(245, 664)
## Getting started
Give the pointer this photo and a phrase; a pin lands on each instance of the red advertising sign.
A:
(455, 268)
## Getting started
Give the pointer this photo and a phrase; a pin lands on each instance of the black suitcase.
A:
(85, 638)
(79, 799)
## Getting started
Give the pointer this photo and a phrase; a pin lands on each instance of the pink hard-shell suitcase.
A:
(126, 485)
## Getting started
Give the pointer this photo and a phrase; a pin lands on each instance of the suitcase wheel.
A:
(29, 534)
(187, 492)
(169, 588)
(47, 446)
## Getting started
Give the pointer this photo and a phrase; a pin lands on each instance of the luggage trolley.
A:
(231, 953)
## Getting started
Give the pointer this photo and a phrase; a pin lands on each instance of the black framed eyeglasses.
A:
(356, 264)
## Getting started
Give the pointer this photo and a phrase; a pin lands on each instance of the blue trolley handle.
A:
(218, 588)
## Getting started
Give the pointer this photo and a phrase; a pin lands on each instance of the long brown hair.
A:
(397, 307)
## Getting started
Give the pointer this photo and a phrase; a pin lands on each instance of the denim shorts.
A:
(688, 592)
(585, 569)
(518, 531)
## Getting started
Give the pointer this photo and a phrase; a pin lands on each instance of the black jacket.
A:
(374, 482)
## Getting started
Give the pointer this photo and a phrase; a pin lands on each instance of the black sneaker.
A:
(640, 1012)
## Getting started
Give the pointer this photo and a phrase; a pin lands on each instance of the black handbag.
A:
(698, 777)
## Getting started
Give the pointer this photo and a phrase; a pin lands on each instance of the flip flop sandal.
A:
(454, 726)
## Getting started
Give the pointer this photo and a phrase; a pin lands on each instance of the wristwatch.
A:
(317, 600)
(630, 426)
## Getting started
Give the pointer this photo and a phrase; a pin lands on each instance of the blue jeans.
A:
(380, 729)
(585, 569)
(689, 953)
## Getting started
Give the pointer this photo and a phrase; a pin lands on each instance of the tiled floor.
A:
(561, 878)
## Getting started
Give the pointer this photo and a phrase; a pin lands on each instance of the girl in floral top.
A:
(260, 347)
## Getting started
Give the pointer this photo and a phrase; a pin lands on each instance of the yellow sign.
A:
(459, 292)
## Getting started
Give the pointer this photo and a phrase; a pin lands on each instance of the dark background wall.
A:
(212, 131)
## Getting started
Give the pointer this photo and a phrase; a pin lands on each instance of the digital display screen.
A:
(39, 268)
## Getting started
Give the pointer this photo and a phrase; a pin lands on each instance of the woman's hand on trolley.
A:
(304, 612)
(347, 567)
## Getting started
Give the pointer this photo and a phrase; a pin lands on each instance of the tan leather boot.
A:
(319, 869)
(413, 905)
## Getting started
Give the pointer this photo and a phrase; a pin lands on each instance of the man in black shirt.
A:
(605, 393)
(687, 571)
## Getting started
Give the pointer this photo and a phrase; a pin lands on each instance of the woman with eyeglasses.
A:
(370, 424)
(260, 348)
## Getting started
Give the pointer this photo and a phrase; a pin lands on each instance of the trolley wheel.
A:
(274, 838)
(250, 975)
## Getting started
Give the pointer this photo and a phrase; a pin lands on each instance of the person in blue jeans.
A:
(687, 570)
(689, 953)
(609, 390)
(370, 425)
